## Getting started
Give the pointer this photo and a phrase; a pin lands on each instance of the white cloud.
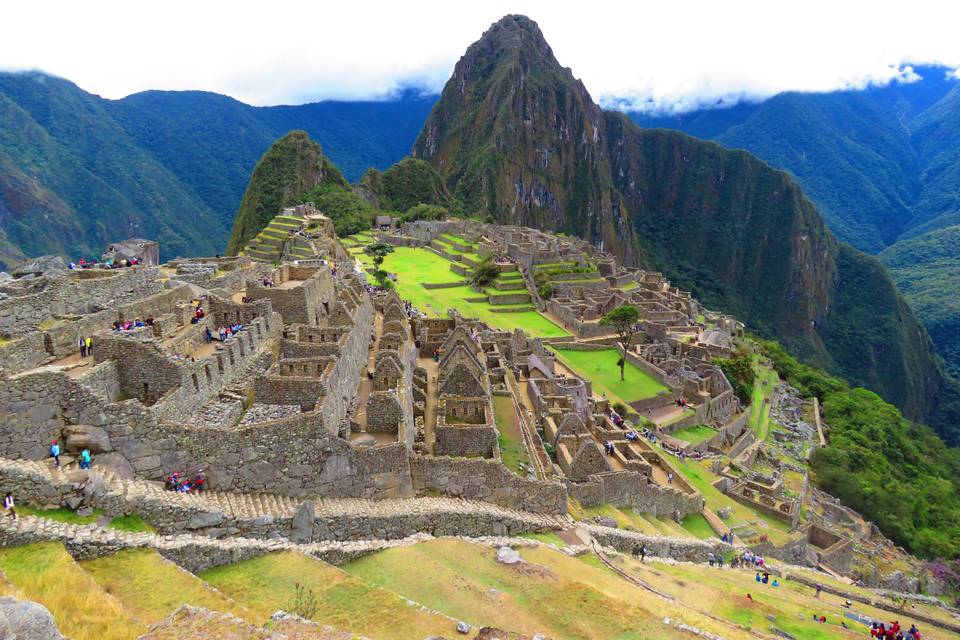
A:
(664, 54)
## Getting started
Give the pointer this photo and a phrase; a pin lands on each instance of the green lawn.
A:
(758, 415)
(415, 266)
(696, 524)
(601, 369)
(702, 479)
(512, 450)
(695, 434)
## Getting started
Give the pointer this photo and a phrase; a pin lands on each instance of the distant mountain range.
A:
(883, 166)
(78, 171)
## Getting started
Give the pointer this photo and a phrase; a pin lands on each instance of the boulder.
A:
(78, 437)
(93, 488)
(42, 266)
(463, 627)
(204, 519)
(301, 526)
(605, 521)
(25, 620)
(117, 464)
(506, 555)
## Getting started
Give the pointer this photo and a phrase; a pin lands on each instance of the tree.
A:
(623, 320)
(379, 251)
(484, 273)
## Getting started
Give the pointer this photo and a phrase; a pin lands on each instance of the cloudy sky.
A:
(669, 53)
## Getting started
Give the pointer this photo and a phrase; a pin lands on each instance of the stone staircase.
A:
(277, 239)
(223, 514)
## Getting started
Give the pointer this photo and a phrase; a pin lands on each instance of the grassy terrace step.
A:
(266, 584)
(151, 587)
(510, 275)
(46, 573)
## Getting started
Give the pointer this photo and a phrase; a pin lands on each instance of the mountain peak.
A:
(514, 31)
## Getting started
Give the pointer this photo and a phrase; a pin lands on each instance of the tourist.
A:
(766, 578)
(85, 459)
(89, 346)
(819, 588)
(223, 334)
(200, 480)
(643, 552)
(757, 578)
(55, 452)
(914, 633)
(207, 336)
(83, 347)
(711, 558)
(8, 505)
(670, 478)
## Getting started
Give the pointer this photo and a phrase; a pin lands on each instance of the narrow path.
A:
(366, 384)
(430, 410)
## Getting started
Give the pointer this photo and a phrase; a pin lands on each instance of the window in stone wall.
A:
(206, 368)
(230, 354)
(196, 383)
(220, 363)
(257, 325)
(242, 351)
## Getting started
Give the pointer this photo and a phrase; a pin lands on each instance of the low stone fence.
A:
(683, 549)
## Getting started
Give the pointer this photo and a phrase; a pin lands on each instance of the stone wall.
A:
(485, 480)
(71, 294)
(631, 489)
(384, 413)
(290, 390)
(465, 440)
(22, 354)
(683, 549)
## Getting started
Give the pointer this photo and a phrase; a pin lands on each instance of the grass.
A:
(601, 369)
(467, 583)
(702, 479)
(267, 583)
(758, 415)
(133, 523)
(415, 266)
(60, 515)
(549, 538)
(513, 452)
(46, 573)
(151, 587)
(696, 524)
(695, 434)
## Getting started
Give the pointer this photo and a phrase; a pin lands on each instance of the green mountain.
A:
(881, 163)
(517, 137)
(872, 160)
(292, 167)
(927, 270)
(170, 165)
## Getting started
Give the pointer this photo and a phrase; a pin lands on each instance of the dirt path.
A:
(430, 409)
(366, 384)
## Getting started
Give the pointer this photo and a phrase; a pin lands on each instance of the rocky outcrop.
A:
(25, 620)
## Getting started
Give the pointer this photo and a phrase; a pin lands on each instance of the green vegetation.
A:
(271, 582)
(696, 524)
(695, 434)
(415, 266)
(740, 373)
(623, 320)
(484, 273)
(285, 173)
(927, 270)
(563, 601)
(407, 184)
(151, 587)
(895, 472)
(377, 252)
(47, 574)
(602, 369)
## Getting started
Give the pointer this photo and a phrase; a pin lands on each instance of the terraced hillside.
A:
(384, 595)
(434, 280)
